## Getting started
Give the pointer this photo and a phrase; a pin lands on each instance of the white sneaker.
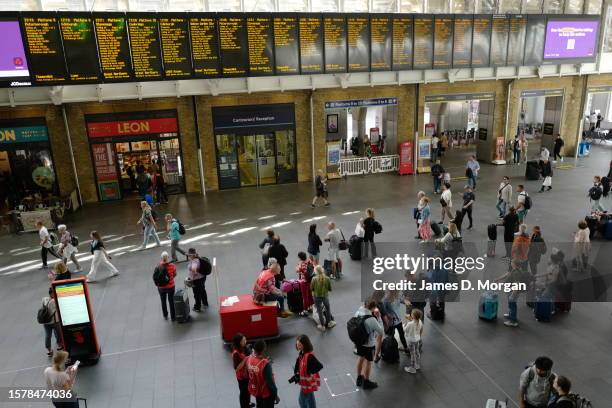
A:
(90, 280)
(331, 324)
(321, 327)
(410, 370)
(114, 274)
(510, 323)
(417, 366)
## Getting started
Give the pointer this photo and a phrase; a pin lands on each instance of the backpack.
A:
(528, 203)
(377, 227)
(309, 272)
(160, 275)
(181, 227)
(605, 184)
(577, 400)
(469, 173)
(389, 351)
(205, 266)
(357, 331)
(53, 238)
(74, 240)
(595, 193)
(154, 215)
(44, 316)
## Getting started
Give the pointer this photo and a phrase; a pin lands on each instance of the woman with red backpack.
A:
(306, 372)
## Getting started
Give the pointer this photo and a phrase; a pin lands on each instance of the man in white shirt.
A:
(45, 244)
(521, 208)
(544, 154)
(333, 237)
(434, 148)
(359, 231)
(446, 202)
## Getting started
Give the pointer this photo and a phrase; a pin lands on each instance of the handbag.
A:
(547, 181)
(342, 245)
(443, 202)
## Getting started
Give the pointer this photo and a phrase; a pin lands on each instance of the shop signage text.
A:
(23, 134)
(599, 89)
(361, 102)
(480, 96)
(542, 92)
(132, 127)
(228, 117)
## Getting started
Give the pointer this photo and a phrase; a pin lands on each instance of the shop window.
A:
(463, 6)
(487, 6)
(325, 5)
(593, 6)
(437, 6)
(72, 5)
(411, 6)
(553, 6)
(532, 6)
(258, 5)
(574, 6)
(384, 6)
(607, 38)
(355, 6)
(293, 5)
(224, 5)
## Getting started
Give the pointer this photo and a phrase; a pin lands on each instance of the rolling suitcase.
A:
(294, 296)
(436, 310)
(532, 170)
(488, 305)
(355, 247)
(181, 305)
(436, 229)
(543, 309)
(608, 230)
(389, 351)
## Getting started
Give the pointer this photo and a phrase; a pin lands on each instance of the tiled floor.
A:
(149, 362)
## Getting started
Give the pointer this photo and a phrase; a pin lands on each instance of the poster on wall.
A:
(333, 160)
(332, 123)
(106, 171)
(424, 148)
(500, 150)
(430, 129)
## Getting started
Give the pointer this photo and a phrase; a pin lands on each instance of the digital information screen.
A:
(233, 45)
(311, 44)
(334, 27)
(144, 43)
(571, 39)
(499, 40)
(423, 42)
(516, 39)
(260, 38)
(443, 41)
(44, 48)
(174, 36)
(72, 303)
(13, 62)
(462, 42)
(381, 40)
(80, 48)
(402, 42)
(113, 47)
(358, 34)
(534, 40)
(286, 45)
(204, 45)
(481, 41)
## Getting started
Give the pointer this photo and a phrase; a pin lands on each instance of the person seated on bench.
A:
(265, 290)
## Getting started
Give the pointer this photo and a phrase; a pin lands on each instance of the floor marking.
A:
(352, 382)
(266, 217)
(295, 213)
(198, 237)
(18, 249)
(195, 227)
(320, 217)
(119, 238)
(277, 225)
(31, 251)
(234, 221)
(236, 232)
(17, 265)
(351, 212)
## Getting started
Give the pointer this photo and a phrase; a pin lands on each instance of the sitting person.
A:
(265, 290)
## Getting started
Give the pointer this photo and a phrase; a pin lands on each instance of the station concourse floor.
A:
(149, 362)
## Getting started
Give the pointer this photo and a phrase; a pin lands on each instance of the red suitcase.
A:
(307, 299)
(244, 316)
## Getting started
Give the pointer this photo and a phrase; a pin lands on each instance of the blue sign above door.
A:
(361, 102)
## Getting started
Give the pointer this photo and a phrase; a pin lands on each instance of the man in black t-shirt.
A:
(321, 189)
(468, 203)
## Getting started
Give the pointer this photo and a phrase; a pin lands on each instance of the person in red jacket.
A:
(167, 290)
(306, 372)
(261, 378)
(265, 289)
(239, 359)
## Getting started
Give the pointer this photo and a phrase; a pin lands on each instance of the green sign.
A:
(23, 134)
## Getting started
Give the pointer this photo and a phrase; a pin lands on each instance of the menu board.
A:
(499, 40)
(204, 45)
(233, 45)
(481, 41)
(260, 38)
(516, 39)
(174, 35)
(286, 44)
(402, 27)
(80, 48)
(144, 43)
(113, 46)
(334, 28)
(423, 41)
(534, 40)
(462, 41)
(13, 62)
(311, 44)
(443, 41)
(381, 40)
(44, 48)
(358, 34)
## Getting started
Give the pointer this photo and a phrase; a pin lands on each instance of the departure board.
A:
(534, 40)
(113, 46)
(204, 45)
(381, 41)
(516, 39)
(462, 41)
(311, 44)
(233, 45)
(286, 44)
(334, 28)
(443, 41)
(481, 41)
(402, 28)
(174, 36)
(80, 48)
(499, 40)
(260, 36)
(423, 41)
(144, 43)
(358, 40)
(44, 47)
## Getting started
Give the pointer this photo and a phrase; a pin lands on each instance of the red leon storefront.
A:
(124, 144)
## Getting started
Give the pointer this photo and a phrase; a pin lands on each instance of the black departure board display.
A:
(204, 45)
(423, 41)
(481, 41)
(233, 45)
(402, 27)
(358, 35)
(443, 41)
(534, 40)
(311, 44)
(381, 41)
(462, 41)
(174, 36)
(144, 43)
(286, 45)
(80, 48)
(499, 40)
(260, 37)
(113, 46)
(334, 29)
(516, 39)
(44, 48)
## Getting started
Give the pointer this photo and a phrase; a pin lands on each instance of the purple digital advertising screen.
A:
(571, 39)
(13, 63)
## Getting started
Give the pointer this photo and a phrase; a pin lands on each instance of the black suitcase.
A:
(181, 305)
(436, 229)
(436, 310)
(389, 350)
(532, 170)
(492, 232)
(355, 247)
(294, 300)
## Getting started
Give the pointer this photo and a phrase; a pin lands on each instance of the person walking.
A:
(314, 244)
(537, 248)
(472, 169)
(414, 331)
(46, 246)
(437, 173)
(595, 194)
(321, 286)
(149, 225)
(66, 249)
(197, 279)
(446, 202)
(261, 377)
(544, 154)
(520, 247)
(239, 360)
(160, 186)
(174, 235)
(320, 189)
(166, 291)
(51, 326)
(334, 236)
(265, 245)
(424, 221)
(504, 196)
(306, 372)
(280, 253)
(524, 145)
(434, 148)
(369, 224)
(468, 204)
(371, 321)
(582, 245)
(547, 173)
(557, 148)
(522, 208)
(392, 304)
(510, 224)
(101, 258)
(59, 378)
(516, 150)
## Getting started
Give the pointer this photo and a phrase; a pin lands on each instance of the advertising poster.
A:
(333, 160)
(430, 129)
(500, 149)
(424, 148)
(106, 171)
(571, 39)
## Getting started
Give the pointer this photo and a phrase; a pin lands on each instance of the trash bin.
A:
(583, 149)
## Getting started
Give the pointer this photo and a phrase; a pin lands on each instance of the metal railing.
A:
(363, 165)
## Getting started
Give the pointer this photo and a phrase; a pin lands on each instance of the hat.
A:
(191, 251)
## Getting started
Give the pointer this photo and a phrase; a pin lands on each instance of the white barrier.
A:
(363, 165)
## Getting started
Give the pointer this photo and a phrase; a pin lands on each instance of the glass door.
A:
(266, 159)
(227, 161)
(286, 163)
(171, 166)
(247, 159)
